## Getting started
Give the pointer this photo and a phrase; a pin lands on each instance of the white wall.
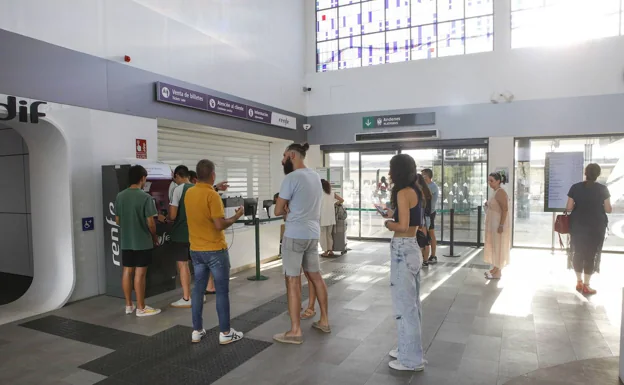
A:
(592, 68)
(15, 225)
(67, 150)
(248, 48)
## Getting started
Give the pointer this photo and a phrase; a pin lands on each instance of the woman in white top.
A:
(328, 218)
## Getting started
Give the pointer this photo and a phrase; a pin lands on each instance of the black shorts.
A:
(432, 222)
(136, 258)
(180, 251)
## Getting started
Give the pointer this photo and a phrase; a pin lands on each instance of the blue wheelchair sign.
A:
(87, 224)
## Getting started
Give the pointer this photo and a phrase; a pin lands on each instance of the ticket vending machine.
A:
(161, 274)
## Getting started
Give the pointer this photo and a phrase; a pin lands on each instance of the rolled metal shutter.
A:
(244, 163)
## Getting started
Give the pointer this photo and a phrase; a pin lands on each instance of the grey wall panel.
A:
(553, 117)
(34, 69)
(39, 70)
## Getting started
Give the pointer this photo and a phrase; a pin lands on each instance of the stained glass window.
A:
(397, 14)
(373, 16)
(350, 52)
(327, 24)
(451, 38)
(450, 10)
(398, 46)
(324, 4)
(479, 7)
(350, 21)
(327, 56)
(373, 49)
(424, 12)
(480, 34)
(562, 22)
(357, 33)
(424, 42)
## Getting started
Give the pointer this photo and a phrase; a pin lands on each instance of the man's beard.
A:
(288, 166)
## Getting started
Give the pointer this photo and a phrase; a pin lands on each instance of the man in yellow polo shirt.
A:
(209, 251)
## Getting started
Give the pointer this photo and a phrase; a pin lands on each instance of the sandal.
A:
(323, 328)
(307, 314)
(489, 275)
(285, 339)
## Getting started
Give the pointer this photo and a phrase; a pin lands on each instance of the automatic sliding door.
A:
(350, 163)
(375, 169)
(464, 188)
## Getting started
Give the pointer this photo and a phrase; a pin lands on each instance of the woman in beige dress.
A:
(497, 227)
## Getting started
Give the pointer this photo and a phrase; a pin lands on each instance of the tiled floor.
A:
(475, 332)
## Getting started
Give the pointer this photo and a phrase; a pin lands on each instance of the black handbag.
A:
(422, 239)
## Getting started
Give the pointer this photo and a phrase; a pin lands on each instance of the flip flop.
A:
(307, 315)
(323, 328)
(209, 292)
(293, 340)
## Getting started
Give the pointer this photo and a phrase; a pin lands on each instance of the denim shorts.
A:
(298, 253)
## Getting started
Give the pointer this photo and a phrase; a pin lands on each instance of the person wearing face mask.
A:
(302, 193)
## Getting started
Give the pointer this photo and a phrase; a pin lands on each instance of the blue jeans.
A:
(406, 260)
(217, 263)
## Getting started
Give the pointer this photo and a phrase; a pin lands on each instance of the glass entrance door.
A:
(460, 173)
(375, 190)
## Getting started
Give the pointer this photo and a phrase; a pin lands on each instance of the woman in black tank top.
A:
(406, 260)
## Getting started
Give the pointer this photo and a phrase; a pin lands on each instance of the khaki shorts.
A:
(298, 253)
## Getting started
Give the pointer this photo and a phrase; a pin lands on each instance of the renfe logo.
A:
(12, 111)
(114, 229)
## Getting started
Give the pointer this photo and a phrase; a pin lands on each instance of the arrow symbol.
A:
(368, 122)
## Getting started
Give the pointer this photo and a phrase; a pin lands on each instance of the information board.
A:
(561, 171)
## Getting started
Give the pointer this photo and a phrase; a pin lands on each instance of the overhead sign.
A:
(141, 149)
(168, 93)
(561, 171)
(402, 120)
(21, 112)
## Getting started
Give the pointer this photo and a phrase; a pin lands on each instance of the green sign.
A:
(399, 120)
(368, 122)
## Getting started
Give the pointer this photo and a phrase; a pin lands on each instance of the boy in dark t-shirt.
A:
(134, 213)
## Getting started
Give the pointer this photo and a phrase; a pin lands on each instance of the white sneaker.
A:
(198, 335)
(394, 353)
(396, 365)
(147, 311)
(130, 309)
(181, 304)
(234, 336)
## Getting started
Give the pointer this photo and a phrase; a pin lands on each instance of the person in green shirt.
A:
(134, 213)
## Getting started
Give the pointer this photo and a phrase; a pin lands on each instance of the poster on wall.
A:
(561, 171)
(141, 149)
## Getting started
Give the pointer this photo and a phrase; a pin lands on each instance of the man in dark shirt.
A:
(134, 213)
